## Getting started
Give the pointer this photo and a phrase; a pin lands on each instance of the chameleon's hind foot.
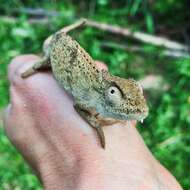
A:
(28, 72)
(44, 63)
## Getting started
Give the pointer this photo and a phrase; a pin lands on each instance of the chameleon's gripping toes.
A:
(100, 98)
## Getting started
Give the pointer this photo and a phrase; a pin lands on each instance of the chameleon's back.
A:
(74, 69)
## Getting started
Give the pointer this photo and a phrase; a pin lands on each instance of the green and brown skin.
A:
(100, 98)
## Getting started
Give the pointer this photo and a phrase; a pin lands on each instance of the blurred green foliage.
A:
(167, 129)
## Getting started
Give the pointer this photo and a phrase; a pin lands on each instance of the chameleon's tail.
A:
(65, 30)
(73, 26)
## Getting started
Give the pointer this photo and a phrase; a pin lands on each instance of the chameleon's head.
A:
(123, 98)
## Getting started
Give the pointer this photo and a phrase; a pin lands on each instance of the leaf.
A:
(135, 7)
(149, 22)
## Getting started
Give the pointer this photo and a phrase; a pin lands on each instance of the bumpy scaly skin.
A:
(77, 73)
(73, 68)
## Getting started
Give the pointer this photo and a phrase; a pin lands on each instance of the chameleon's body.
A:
(98, 96)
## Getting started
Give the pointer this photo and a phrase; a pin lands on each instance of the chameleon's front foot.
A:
(92, 121)
(101, 136)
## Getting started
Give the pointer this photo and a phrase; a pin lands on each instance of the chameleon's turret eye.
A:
(114, 91)
(113, 95)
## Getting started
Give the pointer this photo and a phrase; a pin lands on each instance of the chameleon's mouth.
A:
(136, 116)
(131, 116)
(142, 116)
(139, 116)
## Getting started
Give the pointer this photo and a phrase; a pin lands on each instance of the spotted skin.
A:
(100, 98)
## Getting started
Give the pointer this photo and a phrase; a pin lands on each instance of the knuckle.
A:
(16, 62)
(16, 77)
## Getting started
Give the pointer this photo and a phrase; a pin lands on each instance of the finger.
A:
(18, 62)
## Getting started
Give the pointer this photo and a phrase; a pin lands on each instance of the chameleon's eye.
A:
(113, 95)
(114, 91)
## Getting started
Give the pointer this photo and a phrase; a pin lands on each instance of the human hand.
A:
(61, 147)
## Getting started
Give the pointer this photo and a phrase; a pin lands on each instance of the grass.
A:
(166, 130)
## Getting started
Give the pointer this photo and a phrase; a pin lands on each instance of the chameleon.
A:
(100, 98)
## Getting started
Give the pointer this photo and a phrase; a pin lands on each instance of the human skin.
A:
(64, 151)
